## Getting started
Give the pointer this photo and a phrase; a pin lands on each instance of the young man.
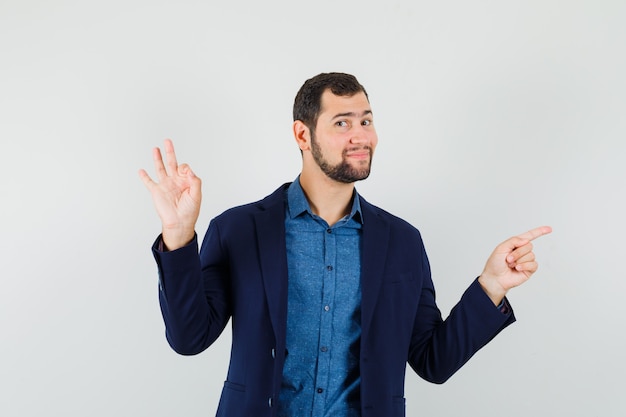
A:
(330, 296)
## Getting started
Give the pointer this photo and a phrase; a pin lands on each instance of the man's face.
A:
(344, 139)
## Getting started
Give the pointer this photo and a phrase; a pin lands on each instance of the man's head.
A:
(308, 102)
(333, 126)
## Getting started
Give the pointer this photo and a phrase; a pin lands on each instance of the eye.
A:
(366, 122)
(341, 123)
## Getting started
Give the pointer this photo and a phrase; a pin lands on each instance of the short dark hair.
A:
(308, 102)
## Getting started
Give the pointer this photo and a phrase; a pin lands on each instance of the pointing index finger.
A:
(535, 233)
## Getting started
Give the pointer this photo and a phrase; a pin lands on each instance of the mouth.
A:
(362, 153)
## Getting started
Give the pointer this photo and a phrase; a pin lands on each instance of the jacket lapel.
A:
(374, 253)
(270, 227)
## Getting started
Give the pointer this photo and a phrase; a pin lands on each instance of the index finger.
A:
(535, 233)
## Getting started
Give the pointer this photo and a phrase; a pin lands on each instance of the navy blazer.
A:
(241, 273)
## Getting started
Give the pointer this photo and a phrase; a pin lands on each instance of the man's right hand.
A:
(176, 196)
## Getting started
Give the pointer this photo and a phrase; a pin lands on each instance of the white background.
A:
(493, 117)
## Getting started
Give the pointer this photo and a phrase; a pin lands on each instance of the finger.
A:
(146, 179)
(170, 155)
(535, 233)
(527, 267)
(195, 184)
(524, 238)
(511, 244)
(185, 170)
(519, 252)
(529, 257)
(158, 164)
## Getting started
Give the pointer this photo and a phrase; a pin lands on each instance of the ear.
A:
(302, 134)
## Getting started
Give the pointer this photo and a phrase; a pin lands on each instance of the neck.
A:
(329, 199)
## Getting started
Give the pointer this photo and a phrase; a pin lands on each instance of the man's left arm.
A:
(439, 348)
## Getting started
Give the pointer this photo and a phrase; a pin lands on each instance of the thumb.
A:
(512, 244)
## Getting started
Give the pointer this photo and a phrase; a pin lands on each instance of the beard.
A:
(343, 171)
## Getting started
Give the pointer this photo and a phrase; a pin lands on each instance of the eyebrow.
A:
(352, 114)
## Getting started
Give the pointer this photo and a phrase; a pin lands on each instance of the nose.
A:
(363, 135)
(359, 135)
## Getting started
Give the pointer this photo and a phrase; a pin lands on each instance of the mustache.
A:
(358, 149)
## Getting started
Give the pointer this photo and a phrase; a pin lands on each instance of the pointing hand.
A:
(511, 264)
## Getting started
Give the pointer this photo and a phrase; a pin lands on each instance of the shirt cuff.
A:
(504, 306)
(159, 246)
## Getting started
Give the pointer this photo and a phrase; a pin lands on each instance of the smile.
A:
(358, 154)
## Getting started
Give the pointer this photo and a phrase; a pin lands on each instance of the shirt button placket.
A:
(325, 340)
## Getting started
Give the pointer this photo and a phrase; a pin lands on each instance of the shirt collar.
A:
(298, 204)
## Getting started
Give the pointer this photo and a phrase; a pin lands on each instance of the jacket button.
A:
(269, 402)
(274, 353)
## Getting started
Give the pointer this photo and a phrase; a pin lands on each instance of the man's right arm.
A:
(194, 301)
(193, 318)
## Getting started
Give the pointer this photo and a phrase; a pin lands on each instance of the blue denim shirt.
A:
(321, 373)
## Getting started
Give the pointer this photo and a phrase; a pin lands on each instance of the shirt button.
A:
(324, 349)
(329, 267)
(320, 390)
(329, 230)
(326, 308)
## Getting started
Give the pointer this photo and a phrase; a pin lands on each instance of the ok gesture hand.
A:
(176, 196)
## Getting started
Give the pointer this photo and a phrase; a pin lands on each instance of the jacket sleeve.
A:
(440, 347)
(194, 295)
